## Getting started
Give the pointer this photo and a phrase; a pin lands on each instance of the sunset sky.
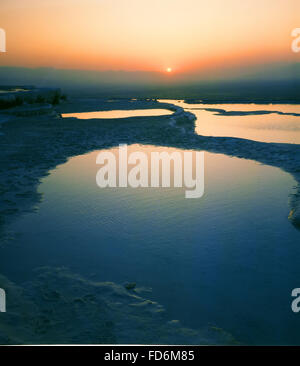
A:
(184, 35)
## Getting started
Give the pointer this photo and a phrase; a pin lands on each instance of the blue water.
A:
(230, 258)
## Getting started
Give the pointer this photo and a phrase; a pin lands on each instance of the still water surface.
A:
(119, 113)
(260, 127)
(230, 258)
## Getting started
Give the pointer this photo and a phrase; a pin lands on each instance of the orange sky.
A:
(186, 35)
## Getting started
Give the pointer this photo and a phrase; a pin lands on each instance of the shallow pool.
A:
(229, 259)
(273, 127)
(119, 113)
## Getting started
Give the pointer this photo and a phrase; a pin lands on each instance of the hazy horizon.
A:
(280, 81)
(152, 47)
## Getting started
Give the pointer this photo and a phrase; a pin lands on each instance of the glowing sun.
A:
(169, 69)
